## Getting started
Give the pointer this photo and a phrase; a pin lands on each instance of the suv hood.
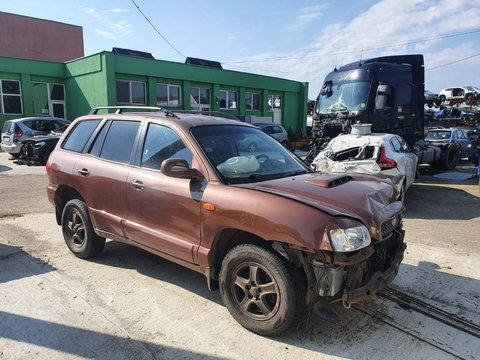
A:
(368, 199)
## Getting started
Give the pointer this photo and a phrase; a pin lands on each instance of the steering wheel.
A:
(262, 157)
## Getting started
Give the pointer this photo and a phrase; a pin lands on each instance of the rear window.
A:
(438, 135)
(9, 127)
(79, 135)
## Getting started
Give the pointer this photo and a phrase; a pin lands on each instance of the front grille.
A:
(388, 226)
(385, 251)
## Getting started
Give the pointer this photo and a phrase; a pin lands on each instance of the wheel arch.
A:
(63, 195)
(226, 240)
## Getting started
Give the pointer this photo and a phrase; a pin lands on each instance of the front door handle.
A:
(138, 184)
(83, 172)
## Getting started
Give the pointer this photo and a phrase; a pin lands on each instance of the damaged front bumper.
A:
(362, 275)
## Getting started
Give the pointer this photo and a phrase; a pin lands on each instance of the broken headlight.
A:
(349, 239)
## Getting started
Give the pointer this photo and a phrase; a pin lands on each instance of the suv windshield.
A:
(242, 154)
(344, 97)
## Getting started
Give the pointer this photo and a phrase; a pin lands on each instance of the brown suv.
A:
(272, 234)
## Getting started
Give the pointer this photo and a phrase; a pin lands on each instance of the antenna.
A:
(361, 56)
(336, 57)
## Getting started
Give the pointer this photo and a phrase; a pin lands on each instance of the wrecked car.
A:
(37, 149)
(365, 152)
(264, 228)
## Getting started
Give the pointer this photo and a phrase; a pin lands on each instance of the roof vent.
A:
(203, 62)
(361, 129)
(133, 53)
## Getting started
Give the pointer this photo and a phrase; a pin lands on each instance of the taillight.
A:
(384, 162)
(47, 167)
(17, 135)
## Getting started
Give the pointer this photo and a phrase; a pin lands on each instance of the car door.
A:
(163, 213)
(102, 173)
(407, 160)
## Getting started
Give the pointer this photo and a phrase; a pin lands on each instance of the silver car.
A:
(276, 131)
(17, 130)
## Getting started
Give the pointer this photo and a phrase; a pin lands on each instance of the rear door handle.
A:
(138, 184)
(83, 172)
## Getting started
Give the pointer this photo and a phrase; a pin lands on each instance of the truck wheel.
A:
(78, 231)
(261, 290)
(451, 158)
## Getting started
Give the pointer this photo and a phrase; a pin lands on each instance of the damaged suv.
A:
(273, 235)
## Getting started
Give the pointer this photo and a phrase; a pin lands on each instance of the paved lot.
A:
(129, 304)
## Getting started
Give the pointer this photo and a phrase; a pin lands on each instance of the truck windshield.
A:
(344, 97)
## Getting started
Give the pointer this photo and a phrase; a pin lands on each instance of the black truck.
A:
(387, 92)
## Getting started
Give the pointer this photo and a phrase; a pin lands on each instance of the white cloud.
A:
(117, 11)
(306, 15)
(106, 34)
(112, 29)
(388, 27)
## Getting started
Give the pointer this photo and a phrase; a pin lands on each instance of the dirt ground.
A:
(130, 304)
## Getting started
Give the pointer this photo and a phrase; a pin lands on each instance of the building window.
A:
(49, 99)
(200, 98)
(10, 97)
(274, 102)
(252, 101)
(168, 95)
(228, 99)
(130, 92)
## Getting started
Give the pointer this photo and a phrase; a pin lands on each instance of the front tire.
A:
(261, 290)
(78, 231)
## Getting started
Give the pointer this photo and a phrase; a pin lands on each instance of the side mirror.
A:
(326, 89)
(178, 168)
(383, 92)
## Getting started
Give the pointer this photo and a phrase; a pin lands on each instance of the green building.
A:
(70, 89)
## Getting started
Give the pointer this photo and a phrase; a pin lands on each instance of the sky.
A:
(301, 40)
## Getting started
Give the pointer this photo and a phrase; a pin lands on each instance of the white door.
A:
(275, 106)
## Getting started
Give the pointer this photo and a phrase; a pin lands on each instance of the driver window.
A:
(163, 143)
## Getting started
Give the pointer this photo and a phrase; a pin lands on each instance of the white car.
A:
(378, 154)
(459, 93)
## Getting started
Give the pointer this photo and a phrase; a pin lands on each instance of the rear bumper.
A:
(12, 149)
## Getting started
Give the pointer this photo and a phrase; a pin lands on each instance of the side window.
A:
(119, 141)
(403, 145)
(79, 135)
(395, 145)
(276, 130)
(163, 143)
(58, 124)
(98, 143)
(461, 135)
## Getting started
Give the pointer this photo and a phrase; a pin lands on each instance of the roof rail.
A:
(208, 113)
(119, 109)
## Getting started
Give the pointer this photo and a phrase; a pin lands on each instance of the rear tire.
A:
(261, 290)
(451, 159)
(78, 231)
